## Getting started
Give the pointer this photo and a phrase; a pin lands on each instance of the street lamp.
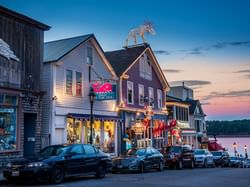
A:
(235, 146)
(245, 148)
(91, 100)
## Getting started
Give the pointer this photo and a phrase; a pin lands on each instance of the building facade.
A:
(71, 67)
(21, 54)
(141, 102)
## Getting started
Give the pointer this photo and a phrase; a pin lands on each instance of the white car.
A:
(246, 163)
(203, 158)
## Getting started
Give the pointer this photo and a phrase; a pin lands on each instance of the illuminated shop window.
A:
(74, 131)
(109, 137)
(96, 133)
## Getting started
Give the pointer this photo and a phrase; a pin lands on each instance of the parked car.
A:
(246, 163)
(221, 158)
(203, 158)
(138, 159)
(178, 156)
(57, 162)
(234, 161)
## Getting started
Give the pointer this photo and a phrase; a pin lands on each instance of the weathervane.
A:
(147, 27)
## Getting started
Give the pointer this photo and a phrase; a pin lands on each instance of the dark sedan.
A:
(58, 162)
(138, 159)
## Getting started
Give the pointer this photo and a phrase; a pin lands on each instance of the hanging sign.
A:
(105, 91)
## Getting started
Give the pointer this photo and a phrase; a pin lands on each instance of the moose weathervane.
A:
(147, 27)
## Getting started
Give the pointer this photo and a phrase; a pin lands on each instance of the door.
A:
(91, 159)
(29, 134)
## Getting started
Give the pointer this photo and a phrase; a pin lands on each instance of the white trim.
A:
(130, 82)
(140, 86)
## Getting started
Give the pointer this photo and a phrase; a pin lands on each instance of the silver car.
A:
(203, 158)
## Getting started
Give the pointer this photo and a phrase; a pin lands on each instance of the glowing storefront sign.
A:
(105, 91)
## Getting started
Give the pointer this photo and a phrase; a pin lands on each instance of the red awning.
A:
(214, 146)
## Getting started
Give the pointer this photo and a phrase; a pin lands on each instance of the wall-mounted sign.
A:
(105, 91)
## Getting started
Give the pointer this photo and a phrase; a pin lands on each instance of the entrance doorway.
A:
(29, 133)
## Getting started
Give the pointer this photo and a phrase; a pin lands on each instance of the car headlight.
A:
(133, 162)
(36, 164)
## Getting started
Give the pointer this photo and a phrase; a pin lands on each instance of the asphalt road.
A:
(200, 177)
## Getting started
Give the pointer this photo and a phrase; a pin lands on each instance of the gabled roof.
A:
(55, 50)
(193, 105)
(23, 18)
(122, 59)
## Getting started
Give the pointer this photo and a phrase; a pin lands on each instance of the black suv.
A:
(221, 158)
(178, 156)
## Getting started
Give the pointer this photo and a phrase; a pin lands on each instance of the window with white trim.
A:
(151, 96)
(89, 56)
(69, 82)
(130, 92)
(141, 94)
(78, 84)
(159, 98)
(145, 67)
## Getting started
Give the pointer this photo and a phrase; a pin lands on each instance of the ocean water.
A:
(227, 143)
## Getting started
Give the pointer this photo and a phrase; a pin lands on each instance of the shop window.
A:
(109, 137)
(96, 133)
(69, 83)
(78, 84)
(7, 128)
(74, 131)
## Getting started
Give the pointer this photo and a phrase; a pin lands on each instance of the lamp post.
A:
(245, 148)
(91, 100)
(235, 146)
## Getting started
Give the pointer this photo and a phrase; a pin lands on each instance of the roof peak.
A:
(137, 45)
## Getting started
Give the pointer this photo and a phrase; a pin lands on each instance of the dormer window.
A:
(145, 67)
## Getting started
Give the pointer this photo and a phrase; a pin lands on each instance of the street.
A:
(200, 177)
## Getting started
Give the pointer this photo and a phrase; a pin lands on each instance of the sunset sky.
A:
(206, 44)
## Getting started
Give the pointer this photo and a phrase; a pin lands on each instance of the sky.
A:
(205, 44)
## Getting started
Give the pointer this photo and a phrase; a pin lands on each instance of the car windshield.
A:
(217, 153)
(53, 150)
(138, 152)
(199, 152)
(174, 149)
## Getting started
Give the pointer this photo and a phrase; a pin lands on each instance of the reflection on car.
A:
(138, 159)
(56, 162)
(203, 158)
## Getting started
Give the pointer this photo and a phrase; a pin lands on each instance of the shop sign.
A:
(105, 91)
(138, 128)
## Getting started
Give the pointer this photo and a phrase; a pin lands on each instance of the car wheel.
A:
(180, 166)
(141, 167)
(160, 167)
(205, 164)
(101, 171)
(58, 174)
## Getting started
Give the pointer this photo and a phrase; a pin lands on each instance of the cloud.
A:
(171, 71)
(162, 52)
(238, 93)
(190, 83)
(246, 73)
(205, 103)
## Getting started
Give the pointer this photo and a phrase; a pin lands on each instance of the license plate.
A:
(15, 173)
(119, 166)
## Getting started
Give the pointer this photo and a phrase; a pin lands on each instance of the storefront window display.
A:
(74, 131)
(7, 129)
(109, 139)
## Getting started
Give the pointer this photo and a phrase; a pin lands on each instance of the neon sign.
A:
(105, 91)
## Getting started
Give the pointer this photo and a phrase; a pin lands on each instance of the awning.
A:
(214, 146)
(96, 117)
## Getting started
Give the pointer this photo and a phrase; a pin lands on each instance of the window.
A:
(77, 149)
(130, 92)
(78, 84)
(151, 96)
(89, 150)
(89, 56)
(159, 98)
(69, 83)
(145, 67)
(141, 94)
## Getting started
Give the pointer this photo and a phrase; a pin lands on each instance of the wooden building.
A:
(21, 57)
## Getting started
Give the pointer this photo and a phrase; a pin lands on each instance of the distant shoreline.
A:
(230, 136)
